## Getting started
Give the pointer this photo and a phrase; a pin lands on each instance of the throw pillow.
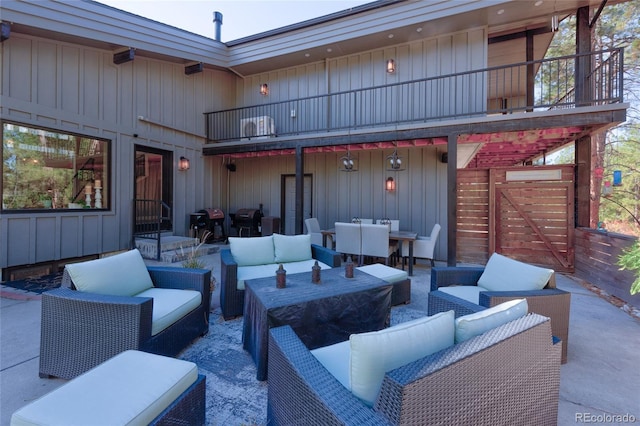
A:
(375, 353)
(252, 251)
(292, 248)
(123, 274)
(471, 325)
(505, 274)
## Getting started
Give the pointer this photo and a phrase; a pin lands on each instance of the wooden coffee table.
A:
(321, 314)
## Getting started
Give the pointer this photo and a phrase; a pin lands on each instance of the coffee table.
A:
(320, 314)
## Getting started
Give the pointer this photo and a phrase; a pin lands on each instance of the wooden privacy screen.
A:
(526, 213)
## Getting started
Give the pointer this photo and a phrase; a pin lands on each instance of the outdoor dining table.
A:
(399, 236)
(320, 314)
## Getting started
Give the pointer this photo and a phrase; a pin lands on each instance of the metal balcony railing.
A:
(526, 86)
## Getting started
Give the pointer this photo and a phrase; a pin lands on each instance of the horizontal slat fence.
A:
(596, 262)
(473, 216)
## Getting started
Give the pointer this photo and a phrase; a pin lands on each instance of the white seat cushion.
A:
(169, 305)
(335, 358)
(372, 354)
(384, 272)
(471, 325)
(470, 293)
(504, 274)
(123, 274)
(131, 388)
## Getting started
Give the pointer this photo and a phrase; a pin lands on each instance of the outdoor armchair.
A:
(549, 301)
(80, 329)
(508, 375)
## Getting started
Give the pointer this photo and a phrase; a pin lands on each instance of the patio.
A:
(601, 377)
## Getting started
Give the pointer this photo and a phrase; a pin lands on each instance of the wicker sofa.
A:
(81, 329)
(507, 375)
(548, 301)
(260, 256)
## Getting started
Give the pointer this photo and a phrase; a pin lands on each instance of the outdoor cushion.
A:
(131, 388)
(169, 305)
(384, 272)
(374, 353)
(260, 271)
(335, 358)
(292, 248)
(475, 324)
(470, 293)
(504, 274)
(123, 274)
(252, 251)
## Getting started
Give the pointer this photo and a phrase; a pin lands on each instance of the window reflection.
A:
(44, 169)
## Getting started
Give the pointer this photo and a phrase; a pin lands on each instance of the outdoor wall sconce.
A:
(348, 163)
(184, 164)
(390, 184)
(395, 162)
(264, 89)
(391, 66)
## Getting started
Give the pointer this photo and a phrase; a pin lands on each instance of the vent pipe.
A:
(217, 23)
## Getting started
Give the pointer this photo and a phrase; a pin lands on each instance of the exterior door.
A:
(153, 176)
(289, 202)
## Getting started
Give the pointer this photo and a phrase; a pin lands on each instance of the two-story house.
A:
(422, 111)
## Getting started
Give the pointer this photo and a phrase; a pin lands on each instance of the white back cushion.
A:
(475, 324)
(292, 248)
(123, 274)
(505, 274)
(375, 353)
(252, 251)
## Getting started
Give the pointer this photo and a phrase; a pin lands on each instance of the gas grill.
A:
(247, 222)
(211, 220)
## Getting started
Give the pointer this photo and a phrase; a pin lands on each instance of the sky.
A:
(240, 18)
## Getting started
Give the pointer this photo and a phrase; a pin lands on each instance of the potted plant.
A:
(630, 259)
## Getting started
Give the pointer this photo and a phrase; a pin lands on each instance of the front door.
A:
(289, 202)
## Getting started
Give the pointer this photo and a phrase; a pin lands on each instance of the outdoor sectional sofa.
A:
(259, 257)
(110, 305)
(507, 374)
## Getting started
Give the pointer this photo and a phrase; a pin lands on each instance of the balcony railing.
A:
(526, 86)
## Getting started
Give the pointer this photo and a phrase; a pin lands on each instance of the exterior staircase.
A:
(173, 248)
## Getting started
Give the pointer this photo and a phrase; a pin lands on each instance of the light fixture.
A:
(124, 56)
(193, 69)
(391, 66)
(184, 164)
(390, 184)
(264, 89)
(395, 162)
(348, 163)
(554, 23)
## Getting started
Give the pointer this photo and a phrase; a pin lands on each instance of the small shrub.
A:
(192, 260)
(630, 259)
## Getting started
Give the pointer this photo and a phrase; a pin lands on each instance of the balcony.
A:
(542, 85)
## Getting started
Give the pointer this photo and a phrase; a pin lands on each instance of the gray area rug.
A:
(234, 396)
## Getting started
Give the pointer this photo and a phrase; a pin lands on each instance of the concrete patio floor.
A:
(600, 383)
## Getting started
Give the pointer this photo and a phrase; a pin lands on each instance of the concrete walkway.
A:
(599, 384)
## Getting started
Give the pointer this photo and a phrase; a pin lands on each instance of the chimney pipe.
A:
(217, 22)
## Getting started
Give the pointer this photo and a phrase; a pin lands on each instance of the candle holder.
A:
(348, 268)
(98, 197)
(315, 273)
(281, 277)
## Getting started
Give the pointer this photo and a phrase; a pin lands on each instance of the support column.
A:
(583, 182)
(452, 199)
(299, 190)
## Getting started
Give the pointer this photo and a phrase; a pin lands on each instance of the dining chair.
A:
(394, 225)
(313, 229)
(348, 239)
(375, 241)
(423, 247)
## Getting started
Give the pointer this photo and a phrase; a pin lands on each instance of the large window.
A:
(43, 169)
